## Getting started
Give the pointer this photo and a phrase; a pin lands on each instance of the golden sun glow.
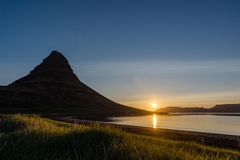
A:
(154, 104)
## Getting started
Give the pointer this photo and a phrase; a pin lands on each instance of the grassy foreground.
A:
(34, 138)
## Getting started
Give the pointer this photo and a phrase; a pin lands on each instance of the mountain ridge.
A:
(52, 87)
(222, 108)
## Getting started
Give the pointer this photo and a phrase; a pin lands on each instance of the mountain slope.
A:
(52, 87)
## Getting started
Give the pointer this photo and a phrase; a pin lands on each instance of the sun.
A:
(154, 104)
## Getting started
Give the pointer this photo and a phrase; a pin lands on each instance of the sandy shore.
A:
(217, 140)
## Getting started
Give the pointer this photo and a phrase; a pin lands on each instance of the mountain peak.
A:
(52, 87)
(55, 61)
(56, 55)
(53, 69)
(55, 52)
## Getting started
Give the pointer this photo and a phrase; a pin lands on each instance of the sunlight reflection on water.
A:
(154, 121)
(200, 123)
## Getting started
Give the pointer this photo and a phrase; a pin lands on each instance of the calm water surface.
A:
(202, 123)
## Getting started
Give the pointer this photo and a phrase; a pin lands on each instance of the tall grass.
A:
(35, 138)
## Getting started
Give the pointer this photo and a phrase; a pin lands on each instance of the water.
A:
(202, 123)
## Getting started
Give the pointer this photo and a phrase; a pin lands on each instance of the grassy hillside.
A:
(32, 137)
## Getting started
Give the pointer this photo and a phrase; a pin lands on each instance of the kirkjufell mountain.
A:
(52, 87)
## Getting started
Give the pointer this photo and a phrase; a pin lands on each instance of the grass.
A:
(35, 138)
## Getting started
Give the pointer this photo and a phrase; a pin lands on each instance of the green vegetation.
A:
(32, 137)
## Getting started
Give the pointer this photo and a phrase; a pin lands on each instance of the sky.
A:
(177, 53)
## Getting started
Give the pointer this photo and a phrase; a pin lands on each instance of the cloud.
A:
(155, 67)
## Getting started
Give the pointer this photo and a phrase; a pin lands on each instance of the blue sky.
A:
(183, 53)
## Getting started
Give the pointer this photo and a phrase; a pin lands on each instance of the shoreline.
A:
(209, 139)
(204, 113)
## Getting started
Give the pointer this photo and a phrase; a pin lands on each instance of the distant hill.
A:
(218, 108)
(182, 109)
(52, 87)
(226, 108)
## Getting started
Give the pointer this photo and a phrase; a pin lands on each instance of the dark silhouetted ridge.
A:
(53, 69)
(181, 109)
(55, 61)
(52, 87)
(224, 108)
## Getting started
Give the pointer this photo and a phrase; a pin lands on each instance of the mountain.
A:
(52, 87)
(226, 108)
(182, 109)
(218, 108)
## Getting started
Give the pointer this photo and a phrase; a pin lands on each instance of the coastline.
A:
(209, 139)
